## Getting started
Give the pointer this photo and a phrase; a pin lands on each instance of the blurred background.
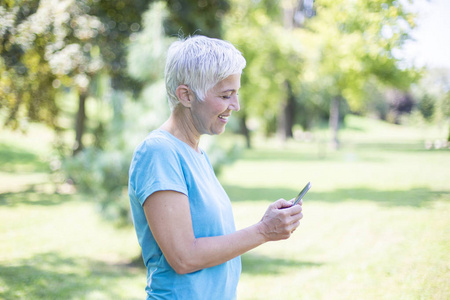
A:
(351, 95)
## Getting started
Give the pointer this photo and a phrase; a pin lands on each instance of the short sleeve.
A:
(156, 167)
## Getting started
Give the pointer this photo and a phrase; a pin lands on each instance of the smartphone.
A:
(302, 193)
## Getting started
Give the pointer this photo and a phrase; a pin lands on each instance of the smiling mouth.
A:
(223, 117)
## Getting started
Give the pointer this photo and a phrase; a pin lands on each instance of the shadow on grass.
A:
(393, 147)
(417, 197)
(53, 276)
(238, 193)
(284, 155)
(321, 153)
(263, 265)
(31, 196)
(14, 159)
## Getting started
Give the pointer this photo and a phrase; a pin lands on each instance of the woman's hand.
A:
(280, 220)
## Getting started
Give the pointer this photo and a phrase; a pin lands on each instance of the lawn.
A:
(376, 222)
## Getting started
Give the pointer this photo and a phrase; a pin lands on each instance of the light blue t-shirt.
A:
(163, 162)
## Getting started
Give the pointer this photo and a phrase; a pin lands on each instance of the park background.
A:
(353, 96)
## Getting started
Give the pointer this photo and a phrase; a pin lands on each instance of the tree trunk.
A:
(287, 114)
(448, 137)
(244, 130)
(334, 122)
(80, 123)
(13, 113)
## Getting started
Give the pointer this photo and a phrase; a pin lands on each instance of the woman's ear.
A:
(184, 95)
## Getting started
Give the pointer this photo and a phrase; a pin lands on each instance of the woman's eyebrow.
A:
(229, 90)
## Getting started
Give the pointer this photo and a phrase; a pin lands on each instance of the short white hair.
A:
(200, 63)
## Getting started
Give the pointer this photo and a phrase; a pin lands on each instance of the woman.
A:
(182, 216)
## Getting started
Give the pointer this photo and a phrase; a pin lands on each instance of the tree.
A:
(48, 44)
(26, 91)
(351, 42)
(433, 97)
(273, 63)
(95, 36)
(102, 172)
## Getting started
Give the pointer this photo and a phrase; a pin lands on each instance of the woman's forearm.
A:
(211, 251)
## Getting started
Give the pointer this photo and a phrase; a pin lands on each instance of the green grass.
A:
(376, 222)
(53, 243)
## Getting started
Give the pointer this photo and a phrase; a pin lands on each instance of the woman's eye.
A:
(226, 97)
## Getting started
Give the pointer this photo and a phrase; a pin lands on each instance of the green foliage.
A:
(222, 150)
(103, 175)
(426, 107)
(101, 170)
(432, 95)
(272, 53)
(352, 41)
(312, 105)
(146, 54)
(195, 17)
(46, 45)
(437, 83)
(26, 91)
(336, 53)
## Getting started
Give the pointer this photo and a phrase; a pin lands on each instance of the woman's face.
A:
(211, 115)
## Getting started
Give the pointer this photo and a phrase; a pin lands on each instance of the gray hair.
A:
(200, 63)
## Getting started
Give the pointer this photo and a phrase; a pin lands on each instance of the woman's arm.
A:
(169, 218)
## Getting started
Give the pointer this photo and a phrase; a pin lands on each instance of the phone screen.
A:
(302, 193)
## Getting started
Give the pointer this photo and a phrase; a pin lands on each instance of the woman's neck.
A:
(180, 125)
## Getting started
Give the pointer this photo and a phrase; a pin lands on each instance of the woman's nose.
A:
(234, 105)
